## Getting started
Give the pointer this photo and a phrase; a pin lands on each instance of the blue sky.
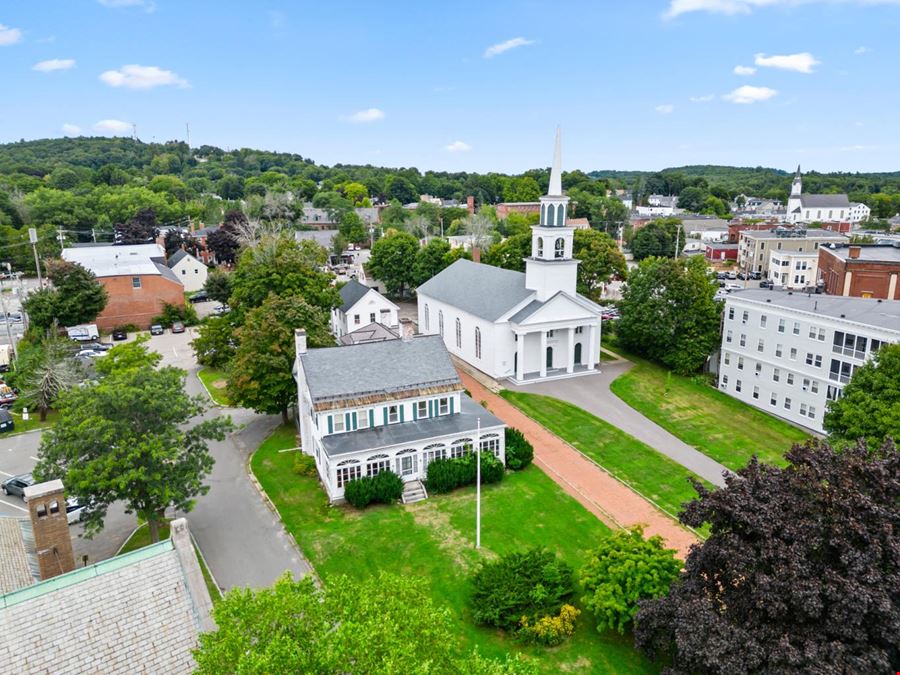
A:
(643, 84)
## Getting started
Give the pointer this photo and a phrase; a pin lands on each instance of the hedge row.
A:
(384, 488)
(445, 475)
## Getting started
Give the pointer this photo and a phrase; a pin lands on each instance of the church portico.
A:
(554, 352)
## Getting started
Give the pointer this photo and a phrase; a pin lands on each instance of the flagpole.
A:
(478, 486)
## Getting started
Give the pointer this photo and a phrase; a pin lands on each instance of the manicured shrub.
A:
(445, 475)
(172, 313)
(532, 584)
(549, 631)
(384, 488)
(359, 492)
(519, 451)
(305, 465)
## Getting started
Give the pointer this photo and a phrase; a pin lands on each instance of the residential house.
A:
(373, 332)
(362, 306)
(136, 278)
(861, 270)
(793, 270)
(788, 354)
(524, 326)
(394, 404)
(190, 271)
(754, 245)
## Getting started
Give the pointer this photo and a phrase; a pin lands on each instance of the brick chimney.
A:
(470, 204)
(407, 330)
(853, 252)
(47, 508)
(476, 254)
(300, 341)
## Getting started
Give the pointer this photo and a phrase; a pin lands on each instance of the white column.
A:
(592, 347)
(520, 356)
(570, 355)
(543, 353)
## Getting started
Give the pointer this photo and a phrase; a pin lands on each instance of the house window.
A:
(376, 464)
(362, 419)
(803, 409)
(740, 363)
(796, 328)
(728, 336)
(393, 412)
(579, 330)
(756, 392)
(811, 413)
(760, 345)
(135, 282)
(812, 333)
(790, 378)
(491, 443)
(550, 333)
(731, 313)
(337, 422)
(762, 320)
(460, 447)
(821, 336)
(458, 333)
(183, 272)
(407, 462)
(745, 316)
(776, 375)
(427, 321)
(444, 406)
(787, 404)
(793, 354)
(724, 382)
(781, 323)
(805, 384)
(348, 470)
(773, 399)
(421, 409)
(778, 350)
(477, 342)
(431, 453)
(814, 386)
(356, 319)
(737, 385)
(372, 317)
(743, 340)
(559, 248)
(758, 368)
(727, 358)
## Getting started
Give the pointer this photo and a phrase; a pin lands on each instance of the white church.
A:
(830, 208)
(524, 327)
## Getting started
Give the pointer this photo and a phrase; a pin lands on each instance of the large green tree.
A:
(799, 573)
(430, 260)
(129, 437)
(261, 372)
(510, 253)
(76, 296)
(622, 570)
(46, 372)
(669, 313)
(392, 262)
(869, 407)
(218, 285)
(383, 625)
(658, 238)
(601, 260)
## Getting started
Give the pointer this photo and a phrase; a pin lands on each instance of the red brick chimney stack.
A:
(47, 508)
(470, 204)
(854, 252)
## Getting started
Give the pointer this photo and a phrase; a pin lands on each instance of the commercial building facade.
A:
(754, 246)
(861, 271)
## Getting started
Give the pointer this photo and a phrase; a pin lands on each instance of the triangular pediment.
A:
(561, 307)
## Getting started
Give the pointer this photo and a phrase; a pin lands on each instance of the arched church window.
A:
(560, 248)
(458, 334)
(540, 249)
(550, 210)
(441, 322)
(477, 342)
(560, 215)
(427, 321)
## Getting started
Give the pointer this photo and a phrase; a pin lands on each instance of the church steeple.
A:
(554, 204)
(556, 170)
(797, 183)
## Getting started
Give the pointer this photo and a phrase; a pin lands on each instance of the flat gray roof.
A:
(889, 254)
(869, 311)
(814, 233)
(482, 290)
(372, 368)
(463, 422)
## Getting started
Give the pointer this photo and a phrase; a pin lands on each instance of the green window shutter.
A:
(355, 421)
(415, 411)
(430, 408)
(348, 421)
(401, 411)
(371, 417)
(330, 425)
(385, 415)
(451, 405)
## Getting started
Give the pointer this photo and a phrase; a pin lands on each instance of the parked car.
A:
(756, 276)
(7, 395)
(721, 275)
(765, 283)
(741, 276)
(200, 296)
(97, 346)
(16, 485)
(177, 327)
(733, 287)
(83, 332)
(90, 353)
(221, 310)
(119, 334)
(156, 329)
(732, 275)
(74, 510)
(7, 423)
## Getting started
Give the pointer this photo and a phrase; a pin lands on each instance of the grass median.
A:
(215, 382)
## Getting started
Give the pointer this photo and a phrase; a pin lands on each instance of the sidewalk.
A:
(604, 496)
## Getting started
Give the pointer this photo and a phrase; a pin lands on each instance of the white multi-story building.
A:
(788, 354)
(394, 404)
(361, 307)
(754, 246)
(858, 212)
(793, 270)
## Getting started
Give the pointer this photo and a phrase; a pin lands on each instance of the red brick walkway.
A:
(608, 499)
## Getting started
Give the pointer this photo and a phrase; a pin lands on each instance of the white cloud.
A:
(9, 36)
(861, 50)
(800, 63)
(134, 76)
(748, 94)
(364, 116)
(499, 48)
(744, 70)
(72, 129)
(857, 148)
(706, 98)
(54, 64)
(113, 126)
(148, 5)
(458, 146)
(665, 108)
(732, 7)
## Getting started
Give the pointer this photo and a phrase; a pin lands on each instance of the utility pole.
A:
(677, 239)
(187, 126)
(478, 486)
(6, 318)
(32, 237)
(60, 236)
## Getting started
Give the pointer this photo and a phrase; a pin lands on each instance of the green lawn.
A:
(141, 537)
(33, 422)
(652, 474)
(434, 539)
(718, 425)
(214, 381)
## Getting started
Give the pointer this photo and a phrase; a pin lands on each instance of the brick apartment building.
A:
(136, 279)
(861, 271)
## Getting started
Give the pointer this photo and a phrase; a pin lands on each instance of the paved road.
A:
(592, 393)
(242, 540)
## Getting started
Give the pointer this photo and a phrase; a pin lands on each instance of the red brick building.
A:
(505, 208)
(861, 271)
(737, 226)
(715, 252)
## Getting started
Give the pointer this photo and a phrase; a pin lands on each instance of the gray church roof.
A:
(465, 422)
(378, 369)
(485, 291)
(351, 293)
(17, 555)
(825, 201)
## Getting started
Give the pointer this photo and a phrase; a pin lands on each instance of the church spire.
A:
(797, 175)
(556, 171)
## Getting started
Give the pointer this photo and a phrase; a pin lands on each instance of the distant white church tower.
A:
(551, 267)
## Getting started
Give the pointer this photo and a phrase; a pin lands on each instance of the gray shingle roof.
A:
(351, 293)
(482, 290)
(373, 332)
(387, 367)
(16, 547)
(825, 201)
(465, 422)
(526, 311)
(176, 257)
(166, 272)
